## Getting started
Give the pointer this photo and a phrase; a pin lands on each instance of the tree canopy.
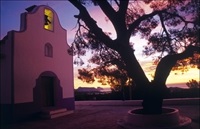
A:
(177, 38)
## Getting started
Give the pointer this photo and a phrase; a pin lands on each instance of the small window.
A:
(48, 50)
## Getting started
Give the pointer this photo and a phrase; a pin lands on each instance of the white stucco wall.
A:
(30, 61)
(6, 71)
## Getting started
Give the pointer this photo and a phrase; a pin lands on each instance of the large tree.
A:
(177, 39)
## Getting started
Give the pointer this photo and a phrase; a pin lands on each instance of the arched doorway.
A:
(48, 92)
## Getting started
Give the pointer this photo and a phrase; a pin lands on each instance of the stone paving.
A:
(99, 117)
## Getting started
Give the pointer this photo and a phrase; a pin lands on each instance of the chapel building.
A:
(36, 71)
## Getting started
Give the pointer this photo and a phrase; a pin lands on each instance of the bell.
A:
(46, 20)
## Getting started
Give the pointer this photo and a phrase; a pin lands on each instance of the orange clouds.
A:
(176, 78)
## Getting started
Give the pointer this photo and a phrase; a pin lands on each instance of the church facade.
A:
(36, 69)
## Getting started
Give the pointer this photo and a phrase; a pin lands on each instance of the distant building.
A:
(93, 90)
(36, 70)
(104, 90)
(87, 90)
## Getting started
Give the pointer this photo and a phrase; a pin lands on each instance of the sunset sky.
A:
(10, 20)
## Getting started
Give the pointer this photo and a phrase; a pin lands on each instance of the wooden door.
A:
(48, 91)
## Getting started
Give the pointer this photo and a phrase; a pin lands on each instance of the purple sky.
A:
(11, 10)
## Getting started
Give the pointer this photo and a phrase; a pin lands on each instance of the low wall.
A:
(177, 101)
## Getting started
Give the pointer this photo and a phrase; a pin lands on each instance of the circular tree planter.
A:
(169, 119)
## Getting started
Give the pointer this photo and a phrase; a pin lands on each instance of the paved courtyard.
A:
(99, 116)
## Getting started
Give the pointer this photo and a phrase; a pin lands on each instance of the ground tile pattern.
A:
(98, 117)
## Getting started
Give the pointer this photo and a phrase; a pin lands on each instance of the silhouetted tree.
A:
(193, 84)
(177, 20)
(111, 73)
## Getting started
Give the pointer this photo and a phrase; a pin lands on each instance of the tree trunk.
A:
(152, 93)
(157, 90)
(133, 67)
(153, 99)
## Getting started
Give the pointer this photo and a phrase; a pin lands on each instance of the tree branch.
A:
(116, 2)
(109, 12)
(117, 18)
(176, 15)
(123, 8)
(107, 9)
(91, 24)
(166, 64)
(137, 22)
(166, 32)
